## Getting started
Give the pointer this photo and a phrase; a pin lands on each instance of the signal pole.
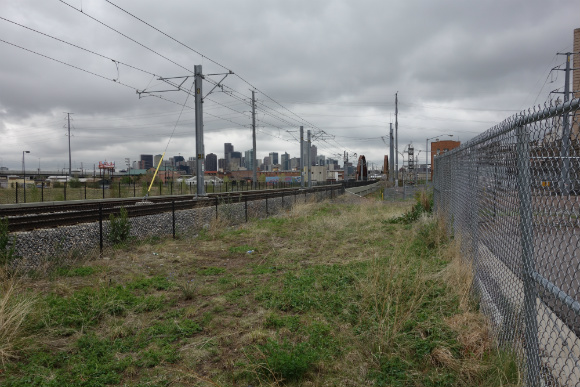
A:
(391, 155)
(302, 157)
(397, 137)
(69, 155)
(199, 148)
(309, 162)
(254, 163)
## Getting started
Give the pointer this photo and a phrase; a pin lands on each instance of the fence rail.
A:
(511, 196)
(35, 238)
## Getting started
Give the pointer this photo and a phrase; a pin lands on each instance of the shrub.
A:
(120, 227)
(424, 203)
(74, 183)
(188, 288)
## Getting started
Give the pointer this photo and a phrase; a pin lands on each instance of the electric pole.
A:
(254, 163)
(397, 137)
(309, 162)
(69, 156)
(391, 155)
(565, 149)
(199, 148)
(302, 157)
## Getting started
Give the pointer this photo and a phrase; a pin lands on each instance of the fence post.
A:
(85, 190)
(266, 206)
(119, 188)
(173, 216)
(101, 229)
(246, 208)
(16, 192)
(160, 188)
(134, 189)
(528, 259)
(103, 185)
(42, 192)
(65, 184)
(216, 207)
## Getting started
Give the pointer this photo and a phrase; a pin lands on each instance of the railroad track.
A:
(28, 217)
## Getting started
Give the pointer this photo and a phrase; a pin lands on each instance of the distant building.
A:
(147, 161)
(156, 160)
(294, 163)
(320, 160)
(211, 162)
(273, 158)
(313, 154)
(439, 148)
(318, 173)
(249, 159)
(228, 149)
(285, 161)
(192, 164)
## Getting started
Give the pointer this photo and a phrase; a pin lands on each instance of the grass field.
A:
(330, 294)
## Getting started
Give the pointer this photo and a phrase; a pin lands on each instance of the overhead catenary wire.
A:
(77, 46)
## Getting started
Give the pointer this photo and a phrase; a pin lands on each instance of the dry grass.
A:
(384, 286)
(15, 307)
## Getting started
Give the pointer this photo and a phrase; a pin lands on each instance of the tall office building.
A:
(156, 160)
(274, 158)
(250, 159)
(285, 161)
(211, 162)
(228, 149)
(147, 161)
(313, 154)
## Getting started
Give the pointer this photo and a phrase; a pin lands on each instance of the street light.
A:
(24, 173)
(427, 155)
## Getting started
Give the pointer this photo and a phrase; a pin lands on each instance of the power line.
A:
(76, 46)
(211, 60)
(122, 34)
(69, 65)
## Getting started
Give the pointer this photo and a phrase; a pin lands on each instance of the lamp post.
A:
(24, 173)
(427, 155)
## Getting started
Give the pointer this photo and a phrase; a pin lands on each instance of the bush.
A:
(74, 183)
(120, 227)
(424, 204)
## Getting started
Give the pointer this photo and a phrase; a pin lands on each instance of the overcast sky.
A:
(333, 66)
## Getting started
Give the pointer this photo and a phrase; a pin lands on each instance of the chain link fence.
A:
(511, 196)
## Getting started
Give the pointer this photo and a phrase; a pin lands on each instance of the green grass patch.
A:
(212, 271)
(80, 271)
(374, 309)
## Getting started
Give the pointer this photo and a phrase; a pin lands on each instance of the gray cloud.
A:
(336, 64)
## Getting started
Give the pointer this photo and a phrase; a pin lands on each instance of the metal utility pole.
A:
(565, 149)
(309, 161)
(426, 162)
(69, 156)
(199, 148)
(301, 157)
(391, 155)
(254, 163)
(397, 136)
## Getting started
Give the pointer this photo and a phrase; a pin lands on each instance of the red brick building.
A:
(440, 147)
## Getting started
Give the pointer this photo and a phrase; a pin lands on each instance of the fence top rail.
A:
(523, 118)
